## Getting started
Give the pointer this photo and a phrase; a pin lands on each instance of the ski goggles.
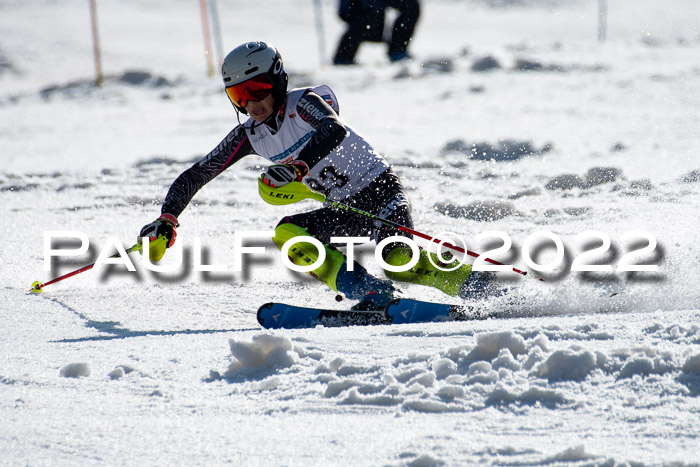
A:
(255, 89)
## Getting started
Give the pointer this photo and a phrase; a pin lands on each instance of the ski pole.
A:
(403, 228)
(37, 286)
(297, 191)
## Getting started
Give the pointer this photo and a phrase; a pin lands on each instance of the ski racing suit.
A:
(308, 130)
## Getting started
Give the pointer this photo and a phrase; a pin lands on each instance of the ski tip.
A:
(37, 287)
(261, 313)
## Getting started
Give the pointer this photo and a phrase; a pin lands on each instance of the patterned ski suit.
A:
(344, 166)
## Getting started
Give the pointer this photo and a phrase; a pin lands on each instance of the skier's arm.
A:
(330, 130)
(235, 146)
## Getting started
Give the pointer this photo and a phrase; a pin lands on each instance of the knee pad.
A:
(425, 273)
(305, 253)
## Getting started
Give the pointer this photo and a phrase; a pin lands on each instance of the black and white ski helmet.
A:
(253, 59)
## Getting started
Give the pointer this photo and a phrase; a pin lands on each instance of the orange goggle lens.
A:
(255, 89)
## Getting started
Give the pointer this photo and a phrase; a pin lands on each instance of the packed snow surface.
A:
(511, 117)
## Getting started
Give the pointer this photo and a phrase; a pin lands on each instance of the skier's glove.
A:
(278, 175)
(165, 225)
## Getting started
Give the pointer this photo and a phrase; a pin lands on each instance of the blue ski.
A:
(400, 311)
(283, 316)
(406, 310)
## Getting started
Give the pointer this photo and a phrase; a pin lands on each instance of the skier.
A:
(301, 133)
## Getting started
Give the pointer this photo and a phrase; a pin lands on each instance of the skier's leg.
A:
(355, 284)
(447, 277)
(451, 278)
(306, 253)
(347, 47)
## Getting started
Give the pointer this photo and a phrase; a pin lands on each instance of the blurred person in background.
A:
(366, 21)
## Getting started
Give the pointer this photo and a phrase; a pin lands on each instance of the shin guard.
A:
(303, 254)
(425, 272)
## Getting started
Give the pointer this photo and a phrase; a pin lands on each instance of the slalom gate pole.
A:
(37, 287)
(207, 37)
(216, 31)
(320, 34)
(403, 228)
(96, 43)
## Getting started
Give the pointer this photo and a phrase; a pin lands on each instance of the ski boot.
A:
(479, 286)
(373, 293)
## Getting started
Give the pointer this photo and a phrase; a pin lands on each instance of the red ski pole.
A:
(297, 191)
(38, 286)
(403, 228)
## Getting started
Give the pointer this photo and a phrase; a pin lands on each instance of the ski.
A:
(283, 316)
(406, 310)
(399, 311)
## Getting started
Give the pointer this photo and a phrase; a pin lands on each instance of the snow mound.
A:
(568, 364)
(268, 384)
(354, 397)
(483, 211)
(503, 395)
(75, 370)
(692, 364)
(266, 351)
(117, 373)
(489, 346)
(505, 150)
(504, 370)
(120, 371)
(573, 454)
(425, 460)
